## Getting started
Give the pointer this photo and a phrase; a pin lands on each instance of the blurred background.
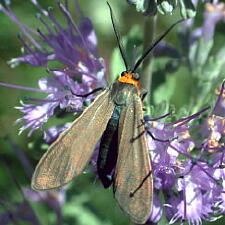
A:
(86, 202)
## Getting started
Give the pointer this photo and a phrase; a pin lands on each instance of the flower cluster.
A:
(75, 47)
(189, 172)
(188, 159)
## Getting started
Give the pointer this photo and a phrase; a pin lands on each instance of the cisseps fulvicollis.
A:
(115, 116)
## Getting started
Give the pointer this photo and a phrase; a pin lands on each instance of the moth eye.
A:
(136, 76)
(123, 74)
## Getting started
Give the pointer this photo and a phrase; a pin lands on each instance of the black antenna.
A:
(118, 37)
(145, 54)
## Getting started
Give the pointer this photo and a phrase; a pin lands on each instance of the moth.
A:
(115, 117)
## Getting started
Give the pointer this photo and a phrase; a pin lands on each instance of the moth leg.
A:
(153, 137)
(138, 136)
(147, 117)
(140, 185)
(158, 139)
(143, 123)
(90, 93)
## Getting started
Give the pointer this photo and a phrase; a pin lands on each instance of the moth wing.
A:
(133, 184)
(69, 154)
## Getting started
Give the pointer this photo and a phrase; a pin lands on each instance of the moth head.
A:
(130, 78)
(136, 76)
(130, 75)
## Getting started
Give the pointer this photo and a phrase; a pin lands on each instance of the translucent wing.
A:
(70, 153)
(133, 185)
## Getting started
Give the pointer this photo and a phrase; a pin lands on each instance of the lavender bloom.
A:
(198, 42)
(219, 108)
(192, 203)
(193, 186)
(157, 211)
(52, 133)
(214, 126)
(35, 115)
(74, 46)
(169, 166)
(213, 14)
(175, 140)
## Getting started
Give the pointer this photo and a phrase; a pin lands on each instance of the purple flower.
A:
(219, 108)
(191, 203)
(213, 14)
(35, 115)
(192, 37)
(190, 172)
(175, 141)
(157, 211)
(52, 133)
(60, 88)
(71, 45)
(164, 177)
(75, 47)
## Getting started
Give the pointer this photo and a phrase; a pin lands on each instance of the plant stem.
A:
(146, 75)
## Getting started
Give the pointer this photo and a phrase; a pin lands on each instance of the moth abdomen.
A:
(109, 149)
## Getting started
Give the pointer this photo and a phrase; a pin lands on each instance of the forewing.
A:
(69, 154)
(133, 185)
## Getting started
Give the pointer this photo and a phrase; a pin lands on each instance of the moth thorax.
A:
(130, 78)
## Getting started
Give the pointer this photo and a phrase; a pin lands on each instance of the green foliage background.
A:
(87, 203)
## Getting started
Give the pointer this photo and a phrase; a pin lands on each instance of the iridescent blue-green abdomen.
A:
(108, 149)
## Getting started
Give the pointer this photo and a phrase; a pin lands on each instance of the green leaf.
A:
(141, 5)
(187, 9)
(221, 55)
(212, 70)
(166, 6)
(116, 65)
(165, 91)
(81, 213)
(199, 53)
(160, 109)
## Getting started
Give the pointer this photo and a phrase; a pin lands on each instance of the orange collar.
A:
(128, 79)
